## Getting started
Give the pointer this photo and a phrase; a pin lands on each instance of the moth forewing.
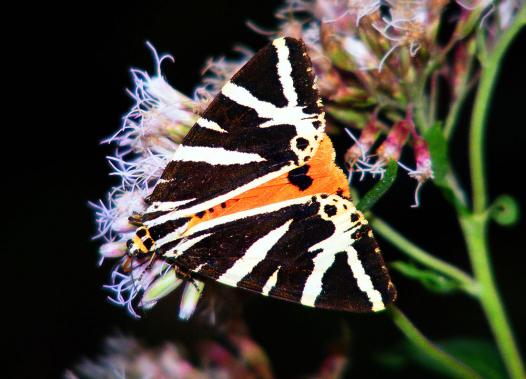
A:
(252, 197)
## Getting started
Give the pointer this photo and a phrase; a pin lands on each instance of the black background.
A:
(69, 68)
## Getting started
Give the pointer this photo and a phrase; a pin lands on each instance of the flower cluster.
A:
(380, 65)
(151, 132)
(125, 357)
(239, 358)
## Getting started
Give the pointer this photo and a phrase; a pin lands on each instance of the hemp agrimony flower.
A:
(151, 132)
(236, 355)
(371, 55)
(372, 60)
(394, 75)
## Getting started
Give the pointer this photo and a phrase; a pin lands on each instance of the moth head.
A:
(141, 243)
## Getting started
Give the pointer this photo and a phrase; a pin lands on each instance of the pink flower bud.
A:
(113, 249)
(424, 169)
(122, 225)
(391, 148)
(366, 141)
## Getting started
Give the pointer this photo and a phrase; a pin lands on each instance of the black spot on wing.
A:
(330, 210)
(317, 124)
(302, 143)
(299, 177)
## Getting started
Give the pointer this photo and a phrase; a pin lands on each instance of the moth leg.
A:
(135, 219)
(127, 264)
(186, 275)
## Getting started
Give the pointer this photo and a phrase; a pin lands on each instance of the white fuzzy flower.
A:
(360, 53)
(506, 11)
(160, 117)
(345, 12)
(151, 132)
(216, 73)
(142, 172)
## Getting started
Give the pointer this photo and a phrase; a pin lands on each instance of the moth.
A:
(252, 198)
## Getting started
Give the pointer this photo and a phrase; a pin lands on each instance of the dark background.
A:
(69, 69)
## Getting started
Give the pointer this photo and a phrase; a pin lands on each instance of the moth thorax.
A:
(141, 243)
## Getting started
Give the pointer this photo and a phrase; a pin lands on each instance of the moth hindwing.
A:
(252, 197)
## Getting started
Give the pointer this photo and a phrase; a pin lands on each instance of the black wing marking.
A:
(279, 134)
(317, 251)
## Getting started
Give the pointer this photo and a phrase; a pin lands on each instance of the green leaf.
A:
(479, 354)
(380, 188)
(437, 143)
(431, 280)
(466, 26)
(395, 359)
(342, 60)
(438, 149)
(348, 116)
(505, 211)
(482, 49)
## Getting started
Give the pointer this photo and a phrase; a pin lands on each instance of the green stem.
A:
(418, 95)
(433, 99)
(455, 186)
(423, 257)
(453, 115)
(455, 368)
(476, 235)
(475, 226)
(454, 112)
(490, 70)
